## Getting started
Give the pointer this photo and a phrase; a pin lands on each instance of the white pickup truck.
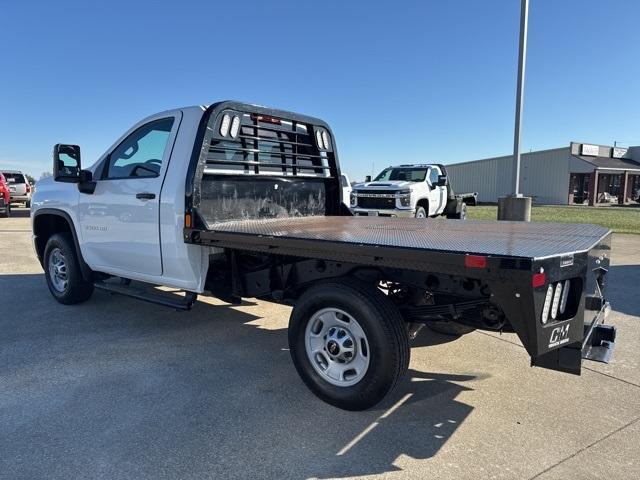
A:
(417, 190)
(240, 201)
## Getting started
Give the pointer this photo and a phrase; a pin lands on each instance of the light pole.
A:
(516, 206)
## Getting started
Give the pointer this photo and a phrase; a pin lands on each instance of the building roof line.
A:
(507, 156)
(620, 163)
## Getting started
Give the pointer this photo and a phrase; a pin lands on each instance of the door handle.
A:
(145, 196)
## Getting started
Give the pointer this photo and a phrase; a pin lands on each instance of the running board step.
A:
(179, 303)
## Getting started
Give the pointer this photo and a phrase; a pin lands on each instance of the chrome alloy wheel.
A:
(337, 347)
(58, 270)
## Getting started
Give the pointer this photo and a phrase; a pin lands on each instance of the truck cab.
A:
(416, 190)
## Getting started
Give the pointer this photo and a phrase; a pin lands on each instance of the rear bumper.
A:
(20, 198)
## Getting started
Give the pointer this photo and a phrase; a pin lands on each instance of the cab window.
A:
(141, 153)
(434, 173)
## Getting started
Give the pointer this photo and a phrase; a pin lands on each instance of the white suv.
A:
(19, 187)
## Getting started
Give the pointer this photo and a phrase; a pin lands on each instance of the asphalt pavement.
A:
(118, 389)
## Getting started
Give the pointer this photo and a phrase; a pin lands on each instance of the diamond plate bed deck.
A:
(525, 240)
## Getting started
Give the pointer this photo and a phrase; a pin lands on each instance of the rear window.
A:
(14, 177)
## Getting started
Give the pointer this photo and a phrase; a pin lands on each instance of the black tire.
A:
(6, 213)
(27, 204)
(450, 328)
(386, 335)
(421, 212)
(77, 289)
(461, 215)
(463, 212)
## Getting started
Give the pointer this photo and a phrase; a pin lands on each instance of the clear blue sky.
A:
(399, 81)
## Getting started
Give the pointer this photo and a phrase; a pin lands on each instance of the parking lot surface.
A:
(116, 388)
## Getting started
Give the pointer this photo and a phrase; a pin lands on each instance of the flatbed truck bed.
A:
(405, 239)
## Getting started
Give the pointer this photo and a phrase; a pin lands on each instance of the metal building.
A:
(580, 174)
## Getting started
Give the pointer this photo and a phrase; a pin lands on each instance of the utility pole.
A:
(522, 59)
(516, 206)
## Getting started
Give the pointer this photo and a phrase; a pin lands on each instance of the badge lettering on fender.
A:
(559, 336)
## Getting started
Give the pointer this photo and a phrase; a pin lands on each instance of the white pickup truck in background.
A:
(419, 191)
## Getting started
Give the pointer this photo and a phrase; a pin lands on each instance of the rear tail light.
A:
(565, 296)
(547, 305)
(28, 186)
(555, 301)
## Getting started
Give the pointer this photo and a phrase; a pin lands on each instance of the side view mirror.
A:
(66, 163)
(367, 178)
(442, 181)
(86, 183)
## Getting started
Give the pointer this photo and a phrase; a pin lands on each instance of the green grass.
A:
(618, 219)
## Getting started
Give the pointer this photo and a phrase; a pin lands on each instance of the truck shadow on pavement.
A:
(20, 212)
(116, 388)
(622, 289)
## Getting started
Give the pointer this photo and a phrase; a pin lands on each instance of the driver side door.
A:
(436, 193)
(120, 220)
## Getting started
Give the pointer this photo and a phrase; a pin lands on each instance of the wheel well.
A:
(423, 203)
(44, 226)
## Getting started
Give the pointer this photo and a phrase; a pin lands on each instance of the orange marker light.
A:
(187, 220)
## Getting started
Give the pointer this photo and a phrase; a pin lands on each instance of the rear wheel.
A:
(27, 204)
(62, 271)
(461, 215)
(6, 213)
(348, 343)
(463, 211)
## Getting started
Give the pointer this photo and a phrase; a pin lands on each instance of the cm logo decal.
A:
(559, 336)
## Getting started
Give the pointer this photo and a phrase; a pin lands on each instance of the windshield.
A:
(408, 174)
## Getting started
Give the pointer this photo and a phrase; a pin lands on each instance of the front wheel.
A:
(421, 212)
(62, 271)
(348, 343)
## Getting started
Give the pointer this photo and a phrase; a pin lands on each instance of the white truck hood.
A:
(390, 184)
